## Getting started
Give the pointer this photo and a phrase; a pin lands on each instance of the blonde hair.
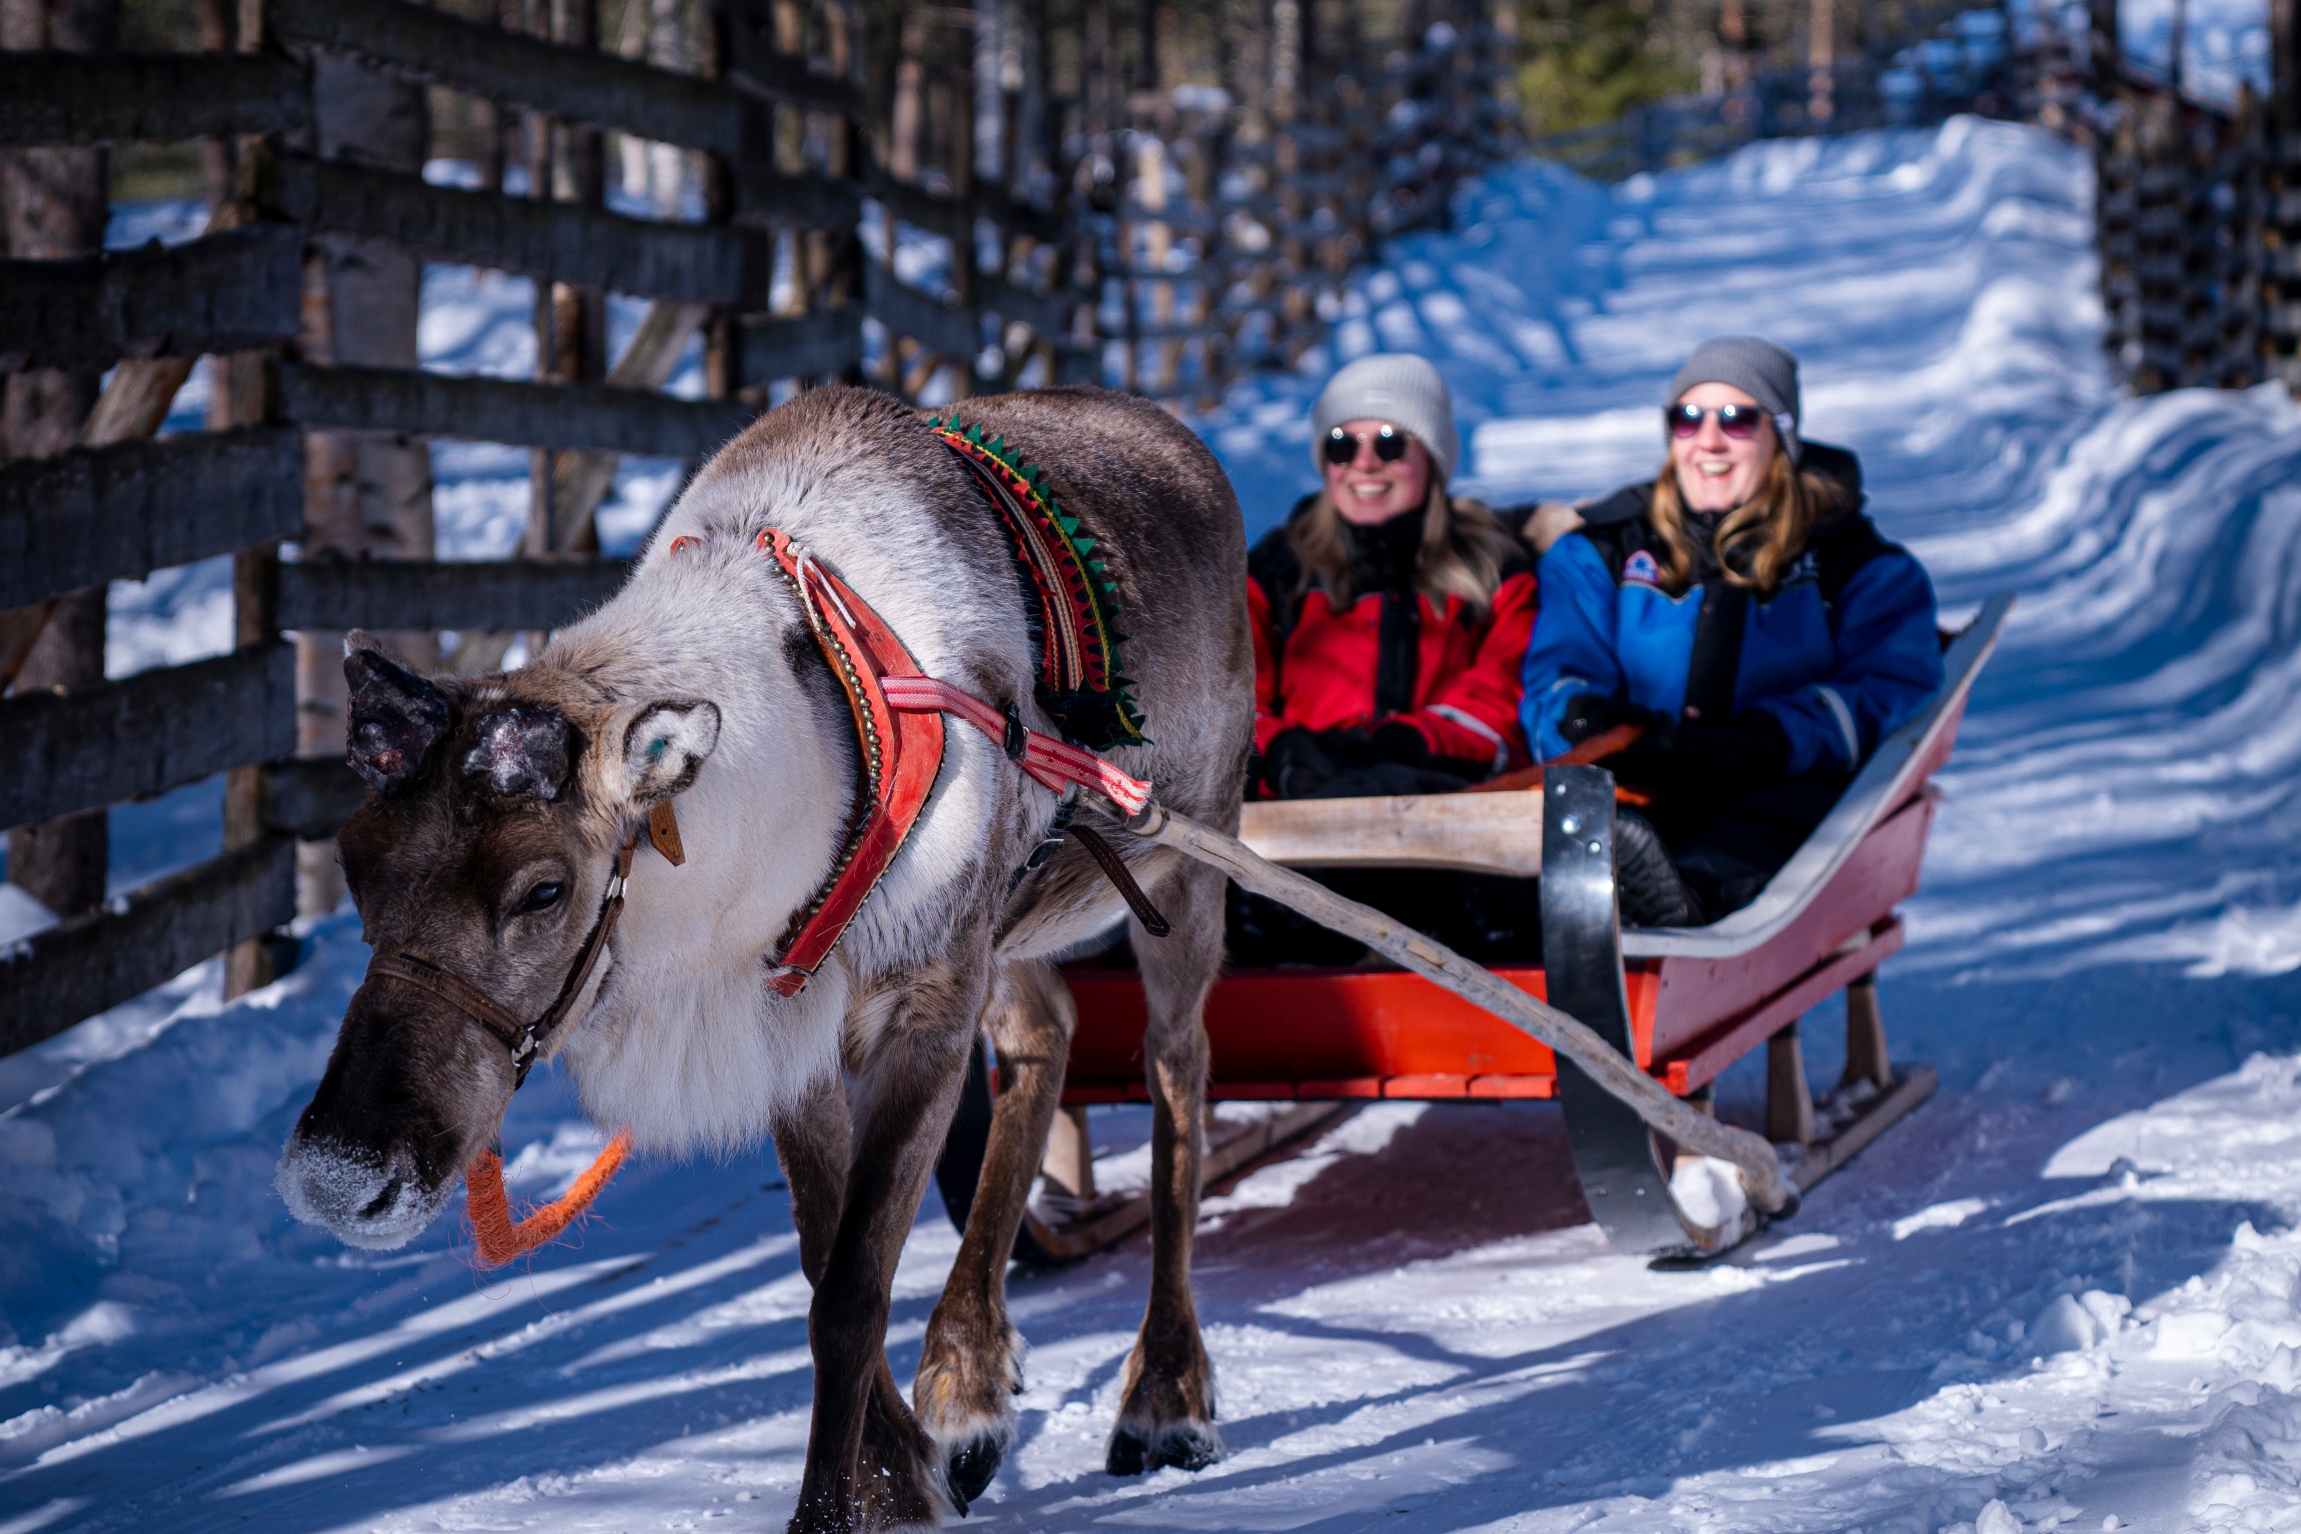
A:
(1463, 552)
(1768, 532)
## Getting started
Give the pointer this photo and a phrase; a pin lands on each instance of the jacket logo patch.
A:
(1806, 568)
(1640, 567)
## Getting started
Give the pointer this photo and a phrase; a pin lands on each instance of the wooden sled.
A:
(1683, 1003)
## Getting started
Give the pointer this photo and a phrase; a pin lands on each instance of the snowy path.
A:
(1414, 1327)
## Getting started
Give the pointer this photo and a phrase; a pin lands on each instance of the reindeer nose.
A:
(363, 1200)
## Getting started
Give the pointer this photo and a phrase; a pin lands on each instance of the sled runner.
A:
(1684, 1004)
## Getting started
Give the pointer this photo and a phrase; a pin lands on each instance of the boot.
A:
(1646, 882)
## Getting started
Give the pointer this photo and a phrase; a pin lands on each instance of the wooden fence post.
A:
(367, 493)
(54, 203)
(2279, 184)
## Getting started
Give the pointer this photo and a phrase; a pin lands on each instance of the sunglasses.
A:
(1342, 447)
(1739, 422)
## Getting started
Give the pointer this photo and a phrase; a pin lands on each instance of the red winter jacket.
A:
(1321, 669)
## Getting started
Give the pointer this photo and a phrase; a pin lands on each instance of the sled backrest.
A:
(1897, 771)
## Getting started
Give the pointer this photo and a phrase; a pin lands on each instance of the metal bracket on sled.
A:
(1615, 1154)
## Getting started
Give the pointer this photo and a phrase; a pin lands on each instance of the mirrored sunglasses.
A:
(1737, 421)
(1342, 446)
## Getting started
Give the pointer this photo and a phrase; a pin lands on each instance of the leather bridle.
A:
(525, 1040)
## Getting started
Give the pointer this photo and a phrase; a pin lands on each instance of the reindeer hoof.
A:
(1185, 1445)
(971, 1464)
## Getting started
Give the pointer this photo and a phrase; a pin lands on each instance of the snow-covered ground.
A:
(2066, 1294)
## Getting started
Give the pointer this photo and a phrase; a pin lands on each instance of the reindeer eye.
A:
(541, 898)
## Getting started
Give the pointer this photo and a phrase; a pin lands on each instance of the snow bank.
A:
(155, 1164)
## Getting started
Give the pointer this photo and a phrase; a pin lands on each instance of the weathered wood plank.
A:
(917, 206)
(580, 84)
(1046, 313)
(765, 194)
(227, 292)
(909, 312)
(494, 596)
(1477, 833)
(122, 98)
(756, 68)
(145, 734)
(81, 966)
(955, 216)
(807, 347)
(312, 796)
(505, 410)
(562, 240)
(99, 514)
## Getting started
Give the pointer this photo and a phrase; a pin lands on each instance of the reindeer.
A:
(485, 864)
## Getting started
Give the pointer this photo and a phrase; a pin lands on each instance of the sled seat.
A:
(1699, 998)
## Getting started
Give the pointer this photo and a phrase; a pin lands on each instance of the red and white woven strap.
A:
(1051, 761)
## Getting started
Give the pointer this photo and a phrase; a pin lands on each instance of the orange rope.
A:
(500, 1240)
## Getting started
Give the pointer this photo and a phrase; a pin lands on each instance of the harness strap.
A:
(1053, 762)
(1115, 869)
(500, 1238)
(457, 992)
(524, 1040)
(901, 754)
(539, 1032)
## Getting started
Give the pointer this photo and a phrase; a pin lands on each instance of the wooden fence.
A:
(2199, 213)
(945, 206)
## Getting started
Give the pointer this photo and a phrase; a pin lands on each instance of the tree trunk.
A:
(53, 204)
(367, 495)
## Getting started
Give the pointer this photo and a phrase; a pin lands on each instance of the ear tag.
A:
(663, 831)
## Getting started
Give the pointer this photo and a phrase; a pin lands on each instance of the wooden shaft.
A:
(1789, 1101)
(1761, 1170)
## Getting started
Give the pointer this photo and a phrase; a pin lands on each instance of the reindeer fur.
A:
(700, 680)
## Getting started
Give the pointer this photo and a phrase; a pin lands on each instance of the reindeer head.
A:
(483, 850)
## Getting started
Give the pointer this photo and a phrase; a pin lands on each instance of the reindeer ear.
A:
(396, 716)
(666, 746)
(522, 752)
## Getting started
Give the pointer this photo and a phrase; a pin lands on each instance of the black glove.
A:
(1588, 714)
(1297, 762)
(1391, 744)
(1644, 763)
(1710, 763)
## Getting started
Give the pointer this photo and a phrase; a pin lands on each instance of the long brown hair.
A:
(1464, 549)
(1766, 533)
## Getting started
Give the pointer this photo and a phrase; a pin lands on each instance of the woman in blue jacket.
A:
(1748, 618)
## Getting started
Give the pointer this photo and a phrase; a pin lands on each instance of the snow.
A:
(2067, 1294)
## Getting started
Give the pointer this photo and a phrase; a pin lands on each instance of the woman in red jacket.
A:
(1390, 623)
(1390, 619)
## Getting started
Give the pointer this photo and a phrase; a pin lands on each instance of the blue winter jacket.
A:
(1845, 653)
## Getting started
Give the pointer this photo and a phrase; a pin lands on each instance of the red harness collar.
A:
(899, 732)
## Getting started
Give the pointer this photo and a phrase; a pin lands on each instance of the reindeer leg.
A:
(869, 1464)
(811, 1146)
(1166, 1408)
(971, 1367)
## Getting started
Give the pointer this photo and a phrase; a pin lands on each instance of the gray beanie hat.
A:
(1391, 386)
(1760, 369)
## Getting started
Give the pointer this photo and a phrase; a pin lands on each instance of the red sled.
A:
(1684, 1003)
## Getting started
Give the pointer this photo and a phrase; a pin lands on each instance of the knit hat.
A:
(1760, 369)
(1390, 386)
